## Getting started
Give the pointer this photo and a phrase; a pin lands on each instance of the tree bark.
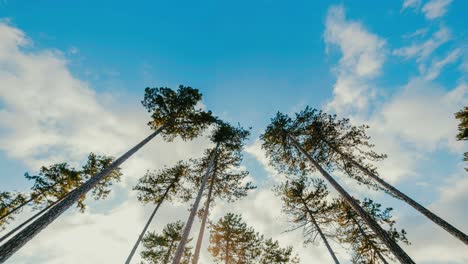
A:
(433, 217)
(319, 230)
(14, 244)
(130, 256)
(193, 212)
(203, 223)
(399, 253)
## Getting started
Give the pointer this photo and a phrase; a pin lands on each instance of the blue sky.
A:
(72, 76)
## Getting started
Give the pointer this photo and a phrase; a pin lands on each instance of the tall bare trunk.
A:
(433, 217)
(319, 230)
(203, 223)
(399, 253)
(130, 256)
(14, 244)
(193, 212)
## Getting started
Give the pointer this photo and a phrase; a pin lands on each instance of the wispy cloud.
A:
(435, 8)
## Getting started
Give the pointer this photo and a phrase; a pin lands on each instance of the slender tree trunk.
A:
(130, 256)
(433, 217)
(33, 196)
(372, 244)
(227, 251)
(31, 218)
(14, 244)
(203, 223)
(399, 253)
(166, 259)
(319, 230)
(193, 212)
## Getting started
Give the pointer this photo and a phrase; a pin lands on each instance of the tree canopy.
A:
(177, 111)
(160, 248)
(232, 241)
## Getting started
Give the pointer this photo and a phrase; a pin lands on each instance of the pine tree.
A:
(304, 201)
(174, 113)
(54, 182)
(227, 138)
(336, 144)
(366, 246)
(232, 242)
(8, 202)
(227, 182)
(160, 248)
(285, 140)
(272, 253)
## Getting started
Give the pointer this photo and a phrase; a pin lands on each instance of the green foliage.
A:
(233, 242)
(55, 181)
(462, 116)
(161, 248)
(230, 137)
(365, 244)
(93, 166)
(177, 110)
(272, 253)
(304, 201)
(228, 181)
(279, 148)
(166, 184)
(322, 136)
(8, 202)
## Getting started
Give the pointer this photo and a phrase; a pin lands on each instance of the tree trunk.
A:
(32, 218)
(34, 196)
(166, 259)
(14, 244)
(203, 224)
(319, 230)
(193, 212)
(227, 251)
(130, 256)
(399, 253)
(433, 217)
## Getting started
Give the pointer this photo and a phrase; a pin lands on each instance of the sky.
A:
(72, 75)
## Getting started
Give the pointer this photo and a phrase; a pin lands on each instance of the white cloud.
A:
(363, 55)
(435, 8)
(411, 4)
(47, 115)
(422, 51)
(421, 114)
(437, 65)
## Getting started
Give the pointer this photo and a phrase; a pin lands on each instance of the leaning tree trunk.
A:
(319, 230)
(130, 256)
(386, 239)
(33, 197)
(30, 219)
(203, 223)
(14, 244)
(433, 217)
(193, 212)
